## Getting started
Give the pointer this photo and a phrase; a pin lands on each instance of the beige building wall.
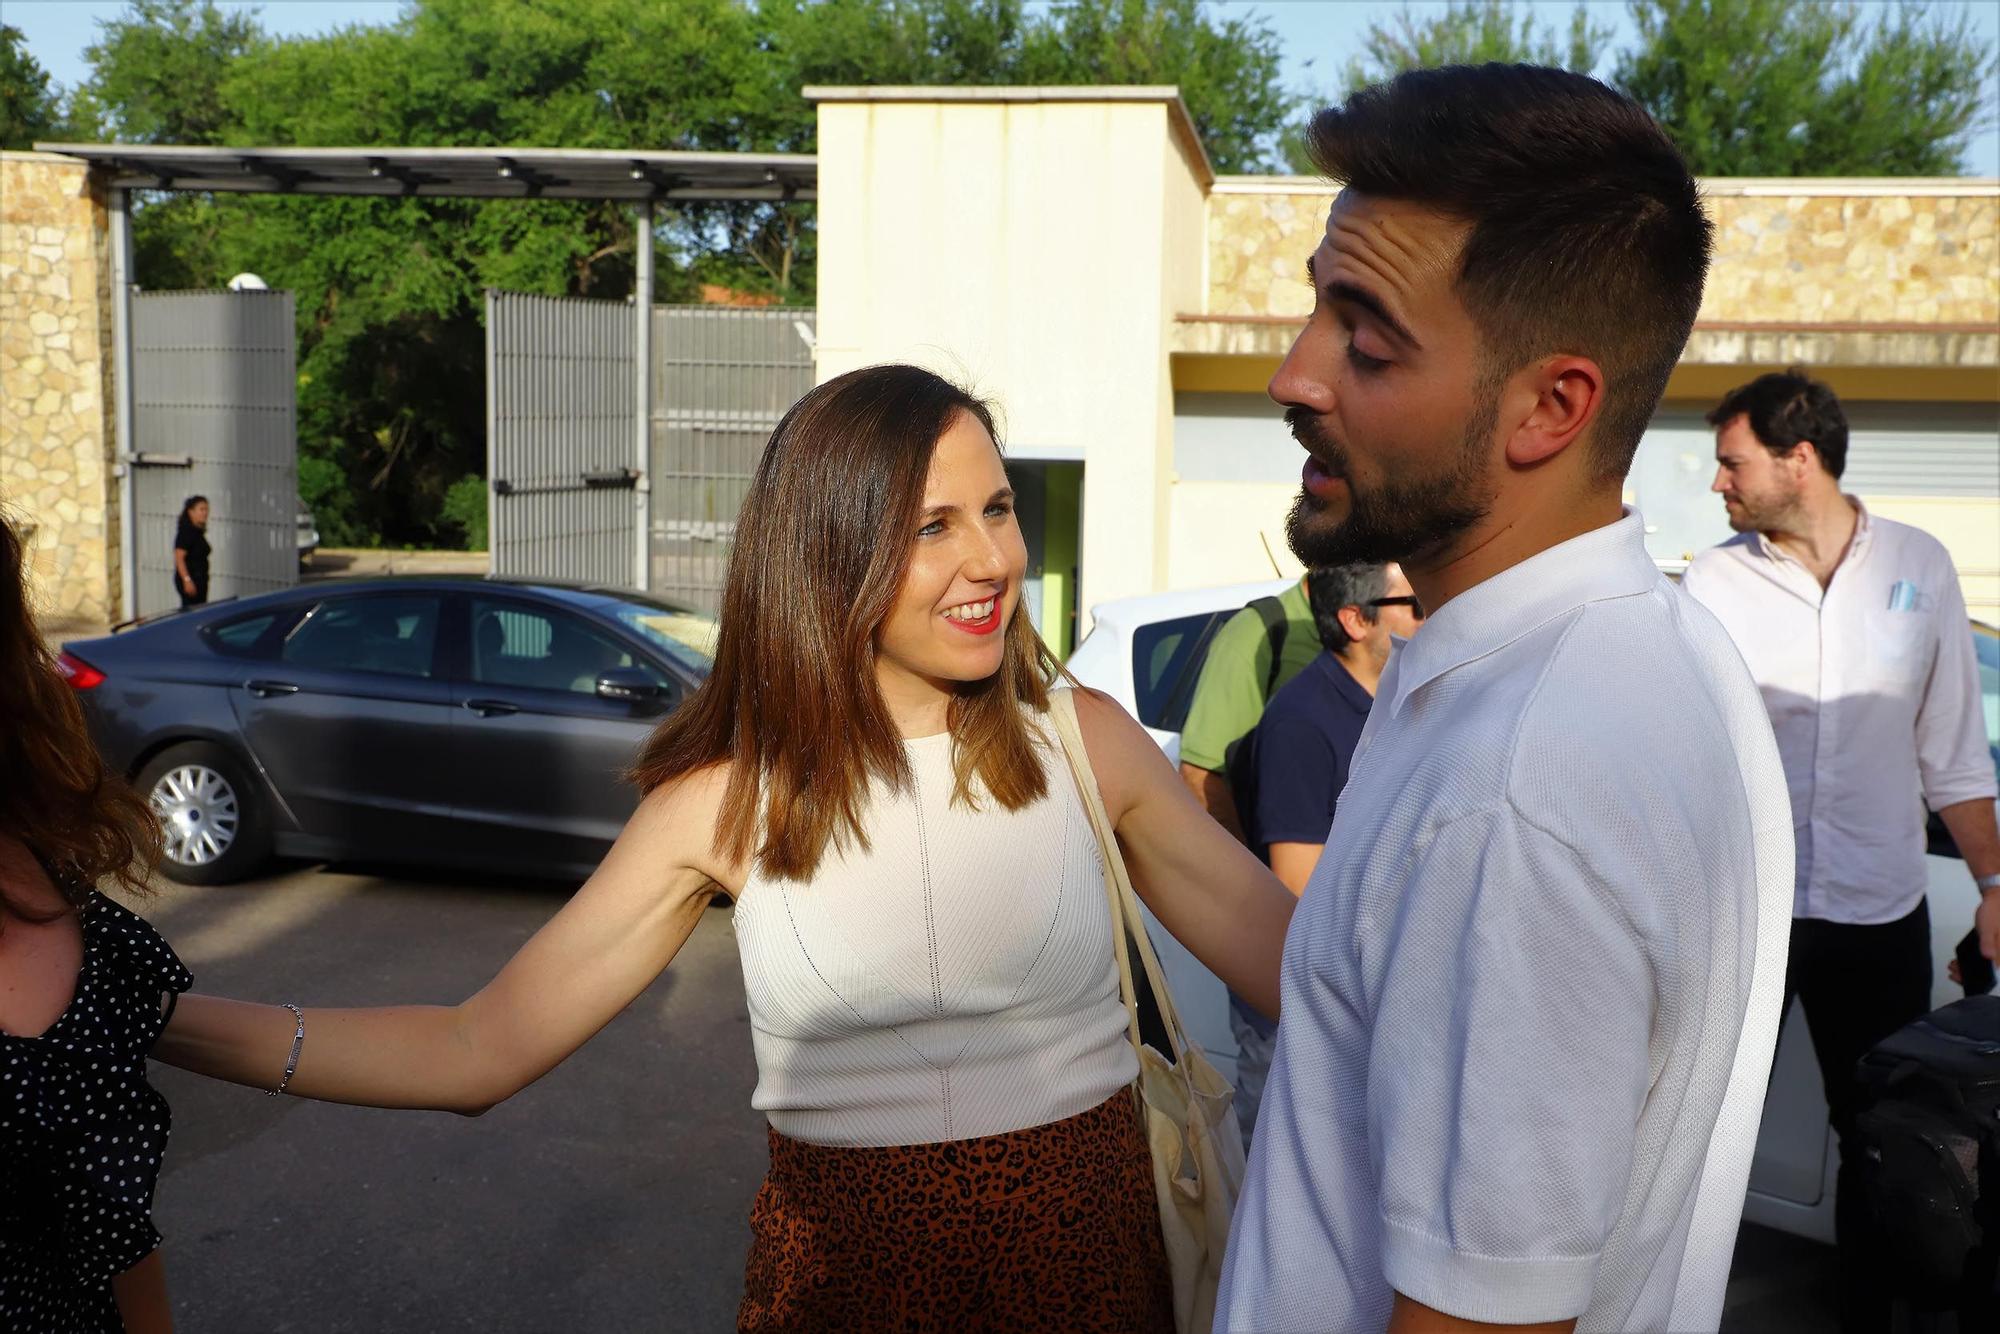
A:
(1230, 532)
(56, 410)
(1035, 244)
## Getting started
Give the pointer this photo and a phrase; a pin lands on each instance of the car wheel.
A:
(211, 820)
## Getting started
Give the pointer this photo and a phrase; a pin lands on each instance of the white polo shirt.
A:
(1873, 689)
(1531, 991)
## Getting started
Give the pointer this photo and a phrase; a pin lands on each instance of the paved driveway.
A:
(610, 1196)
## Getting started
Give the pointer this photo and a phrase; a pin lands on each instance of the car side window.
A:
(241, 637)
(392, 634)
(526, 647)
(1166, 662)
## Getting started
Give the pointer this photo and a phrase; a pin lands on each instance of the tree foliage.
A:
(158, 70)
(1474, 32)
(1465, 32)
(1745, 87)
(1810, 87)
(29, 107)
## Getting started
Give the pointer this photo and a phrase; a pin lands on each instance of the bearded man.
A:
(1531, 990)
(1855, 629)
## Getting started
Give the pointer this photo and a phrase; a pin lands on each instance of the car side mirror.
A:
(634, 685)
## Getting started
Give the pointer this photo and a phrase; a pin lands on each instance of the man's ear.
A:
(1568, 395)
(1354, 624)
(1805, 454)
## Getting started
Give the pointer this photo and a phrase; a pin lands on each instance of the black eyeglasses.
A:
(1404, 600)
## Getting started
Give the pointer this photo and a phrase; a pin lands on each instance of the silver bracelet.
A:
(1986, 882)
(298, 1042)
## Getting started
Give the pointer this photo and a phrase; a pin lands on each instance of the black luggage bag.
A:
(1929, 1130)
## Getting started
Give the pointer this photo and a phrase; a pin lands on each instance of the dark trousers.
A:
(1858, 984)
(196, 598)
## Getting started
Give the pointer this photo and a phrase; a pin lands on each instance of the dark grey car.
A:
(479, 723)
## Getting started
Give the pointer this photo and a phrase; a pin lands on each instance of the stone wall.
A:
(56, 405)
(1787, 253)
(1829, 259)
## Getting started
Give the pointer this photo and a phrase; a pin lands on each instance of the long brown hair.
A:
(822, 545)
(56, 796)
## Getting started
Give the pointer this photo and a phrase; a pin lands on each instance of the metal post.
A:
(642, 379)
(121, 388)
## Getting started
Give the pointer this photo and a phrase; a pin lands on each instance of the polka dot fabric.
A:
(82, 1133)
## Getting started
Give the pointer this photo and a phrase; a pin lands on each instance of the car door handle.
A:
(489, 708)
(266, 689)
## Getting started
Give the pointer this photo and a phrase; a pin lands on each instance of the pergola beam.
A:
(472, 173)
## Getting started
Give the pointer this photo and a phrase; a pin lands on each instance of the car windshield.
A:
(688, 637)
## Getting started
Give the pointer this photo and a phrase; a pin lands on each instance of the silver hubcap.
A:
(198, 814)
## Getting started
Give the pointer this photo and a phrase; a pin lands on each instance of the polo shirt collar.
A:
(1349, 689)
(1608, 562)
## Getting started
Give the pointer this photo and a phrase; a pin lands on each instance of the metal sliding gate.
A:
(561, 405)
(560, 426)
(214, 380)
(723, 376)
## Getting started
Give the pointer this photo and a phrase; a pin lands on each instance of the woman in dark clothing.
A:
(88, 989)
(191, 552)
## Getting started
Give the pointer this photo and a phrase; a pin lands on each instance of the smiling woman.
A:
(876, 559)
(872, 772)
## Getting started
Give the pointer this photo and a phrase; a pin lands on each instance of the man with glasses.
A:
(1309, 730)
(1251, 658)
(1300, 752)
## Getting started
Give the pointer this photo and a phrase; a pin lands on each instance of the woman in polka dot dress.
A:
(85, 989)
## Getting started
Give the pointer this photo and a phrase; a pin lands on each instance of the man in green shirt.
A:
(1254, 653)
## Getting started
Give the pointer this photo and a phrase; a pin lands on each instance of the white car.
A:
(1146, 652)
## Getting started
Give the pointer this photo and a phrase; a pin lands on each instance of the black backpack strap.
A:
(1276, 626)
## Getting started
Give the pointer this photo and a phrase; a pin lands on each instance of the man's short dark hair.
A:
(1331, 587)
(1588, 235)
(1786, 407)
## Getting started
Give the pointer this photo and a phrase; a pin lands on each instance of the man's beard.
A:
(1402, 518)
(1778, 512)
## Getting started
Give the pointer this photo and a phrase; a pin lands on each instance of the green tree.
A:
(1474, 32)
(157, 72)
(1465, 32)
(1227, 71)
(1744, 87)
(29, 108)
(1810, 87)
(1227, 68)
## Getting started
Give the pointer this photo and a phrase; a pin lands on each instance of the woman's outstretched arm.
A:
(604, 948)
(1204, 886)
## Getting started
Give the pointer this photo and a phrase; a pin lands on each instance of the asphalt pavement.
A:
(611, 1196)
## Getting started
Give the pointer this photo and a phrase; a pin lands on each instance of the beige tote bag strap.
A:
(1127, 921)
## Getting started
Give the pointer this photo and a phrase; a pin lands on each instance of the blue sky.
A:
(1319, 36)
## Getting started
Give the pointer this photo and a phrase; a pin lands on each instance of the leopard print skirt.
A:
(1050, 1229)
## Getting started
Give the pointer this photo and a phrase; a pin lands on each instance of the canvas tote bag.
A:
(1184, 1102)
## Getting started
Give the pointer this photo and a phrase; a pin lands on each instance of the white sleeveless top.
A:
(953, 980)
